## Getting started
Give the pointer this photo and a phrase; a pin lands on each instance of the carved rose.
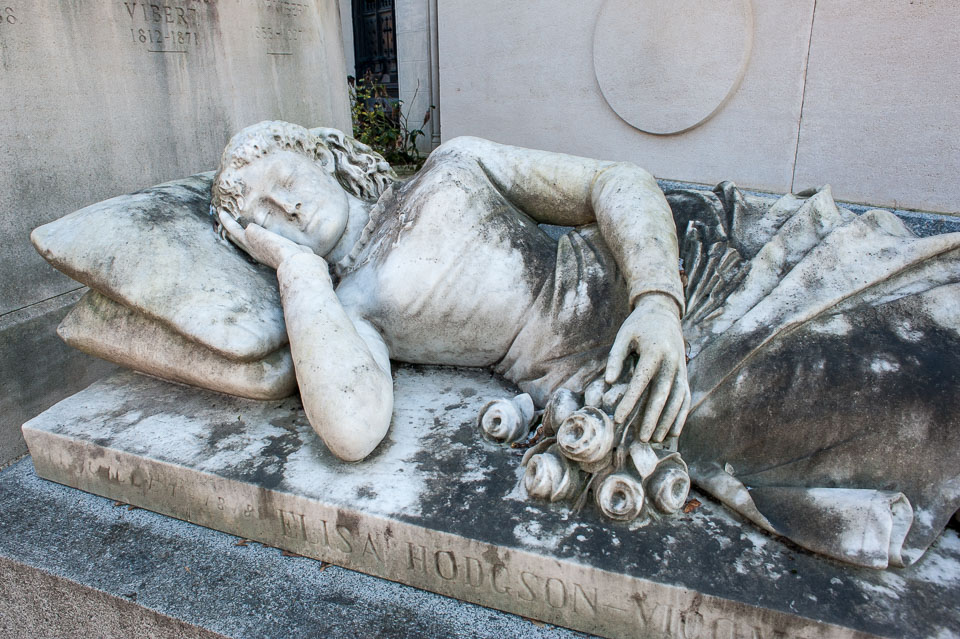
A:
(561, 405)
(587, 435)
(551, 476)
(620, 496)
(668, 488)
(507, 420)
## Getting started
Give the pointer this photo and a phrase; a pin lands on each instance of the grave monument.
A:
(797, 359)
(101, 98)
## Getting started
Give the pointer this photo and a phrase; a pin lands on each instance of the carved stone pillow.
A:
(155, 252)
(105, 329)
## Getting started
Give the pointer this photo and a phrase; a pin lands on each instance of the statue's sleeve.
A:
(638, 227)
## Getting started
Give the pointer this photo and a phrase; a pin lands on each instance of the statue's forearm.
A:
(638, 227)
(346, 390)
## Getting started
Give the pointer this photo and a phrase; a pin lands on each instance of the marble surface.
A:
(877, 95)
(666, 66)
(439, 508)
(104, 99)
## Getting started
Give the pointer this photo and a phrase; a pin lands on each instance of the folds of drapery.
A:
(825, 359)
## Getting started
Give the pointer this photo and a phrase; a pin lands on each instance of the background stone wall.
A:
(100, 98)
(863, 94)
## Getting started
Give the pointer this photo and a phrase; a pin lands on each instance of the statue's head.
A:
(295, 181)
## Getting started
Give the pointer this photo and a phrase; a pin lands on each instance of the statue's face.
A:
(293, 196)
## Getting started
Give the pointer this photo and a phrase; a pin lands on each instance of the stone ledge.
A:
(38, 604)
(439, 509)
(73, 564)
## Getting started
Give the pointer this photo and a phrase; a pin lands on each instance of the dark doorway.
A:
(375, 44)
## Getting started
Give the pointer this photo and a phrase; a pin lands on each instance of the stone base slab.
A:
(74, 564)
(438, 508)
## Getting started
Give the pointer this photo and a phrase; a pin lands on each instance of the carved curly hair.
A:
(358, 168)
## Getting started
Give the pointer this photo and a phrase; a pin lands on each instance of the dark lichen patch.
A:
(855, 400)
(266, 467)
(366, 492)
(221, 431)
(349, 520)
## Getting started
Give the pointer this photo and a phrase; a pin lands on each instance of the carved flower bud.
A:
(620, 496)
(507, 420)
(668, 488)
(593, 393)
(586, 435)
(561, 405)
(551, 476)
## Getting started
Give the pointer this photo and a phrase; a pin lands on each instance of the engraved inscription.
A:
(283, 7)
(525, 585)
(280, 32)
(285, 34)
(164, 27)
(349, 543)
(7, 16)
(689, 624)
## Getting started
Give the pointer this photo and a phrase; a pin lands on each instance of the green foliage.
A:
(379, 122)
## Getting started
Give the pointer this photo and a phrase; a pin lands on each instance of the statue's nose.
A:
(290, 205)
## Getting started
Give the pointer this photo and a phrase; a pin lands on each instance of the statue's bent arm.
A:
(342, 363)
(622, 198)
(637, 225)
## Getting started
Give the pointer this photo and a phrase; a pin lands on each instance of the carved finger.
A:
(681, 416)
(641, 377)
(618, 353)
(231, 228)
(659, 394)
(672, 409)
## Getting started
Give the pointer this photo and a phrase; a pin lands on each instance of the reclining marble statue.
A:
(806, 357)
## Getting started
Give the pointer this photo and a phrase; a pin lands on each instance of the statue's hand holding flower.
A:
(652, 332)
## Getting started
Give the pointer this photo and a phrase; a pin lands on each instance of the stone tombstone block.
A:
(601, 78)
(439, 508)
(882, 104)
(101, 98)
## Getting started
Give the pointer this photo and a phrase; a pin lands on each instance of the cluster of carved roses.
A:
(580, 452)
